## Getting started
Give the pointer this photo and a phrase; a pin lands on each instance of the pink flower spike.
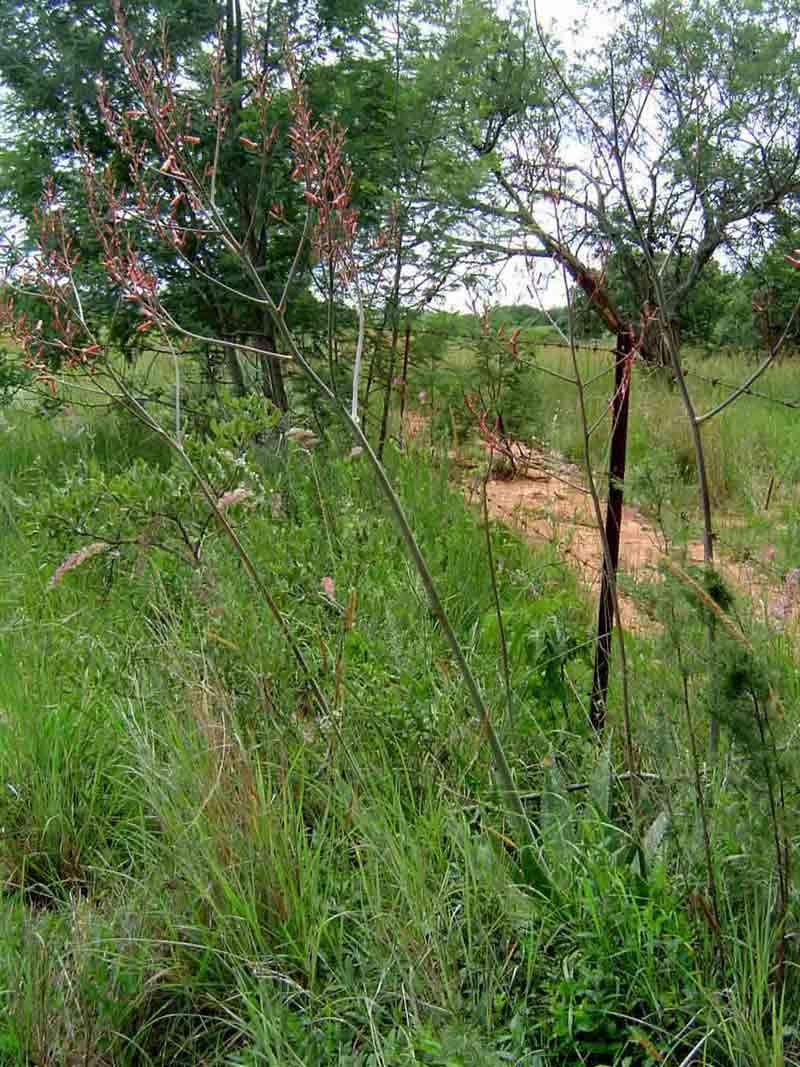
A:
(233, 496)
(76, 559)
(328, 587)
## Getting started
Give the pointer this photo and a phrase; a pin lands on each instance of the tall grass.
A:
(199, 868)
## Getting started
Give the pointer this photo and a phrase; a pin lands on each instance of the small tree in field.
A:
(678, 136)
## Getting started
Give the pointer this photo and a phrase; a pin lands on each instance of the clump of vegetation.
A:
(301, 760)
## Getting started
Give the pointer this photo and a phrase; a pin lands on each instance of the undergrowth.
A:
(200, 868)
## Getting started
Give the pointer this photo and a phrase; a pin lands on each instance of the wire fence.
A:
(596, 348)
(379, 342)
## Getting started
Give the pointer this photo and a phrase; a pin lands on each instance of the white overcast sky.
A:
(514, 282)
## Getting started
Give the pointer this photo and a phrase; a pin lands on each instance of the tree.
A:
(767, 299)
(678, 136)
(51, 56)
(697, 319)
(77, 51)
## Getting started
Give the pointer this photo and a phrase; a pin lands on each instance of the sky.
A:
(514, 283)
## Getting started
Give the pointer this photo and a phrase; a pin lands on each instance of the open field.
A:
(318, 747)
(751, 447)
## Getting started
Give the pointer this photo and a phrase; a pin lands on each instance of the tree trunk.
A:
(616, 478)
(272, 383)
(404, 377)
(387, 396)
(377, 341)
(655, 346)
(332, 349)
(395, 306)
(235, 368)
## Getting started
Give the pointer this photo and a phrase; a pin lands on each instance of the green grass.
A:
(751, 448)
(200, 869)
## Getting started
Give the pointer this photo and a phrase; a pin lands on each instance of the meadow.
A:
(201, 868)
(751, 448)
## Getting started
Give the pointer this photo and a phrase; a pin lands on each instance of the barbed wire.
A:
(534, 364)
(481, 339)
(597, 348)
(754, 393)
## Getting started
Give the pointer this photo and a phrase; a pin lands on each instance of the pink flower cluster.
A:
(328, 178)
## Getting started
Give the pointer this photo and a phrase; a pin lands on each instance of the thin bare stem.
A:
(763, 366)
(703, 813)
(220, 340)
(501, 630)
(359, 349)
(176, 364)
(295, 262)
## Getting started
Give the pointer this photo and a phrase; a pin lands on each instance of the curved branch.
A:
(763, 366)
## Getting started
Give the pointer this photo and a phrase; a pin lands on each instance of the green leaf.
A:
(600, 781)
(557, 823)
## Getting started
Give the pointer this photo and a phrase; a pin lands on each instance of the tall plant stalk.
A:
(501, 630)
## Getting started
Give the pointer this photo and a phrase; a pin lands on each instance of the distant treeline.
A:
(746, 310)
(510, 316)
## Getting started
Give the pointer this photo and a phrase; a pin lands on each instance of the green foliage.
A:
(210, 870)
(496, 383)
(700, 318)
(653, 481)
(68, 805)
(770, 283)
(203, 868)
(149, 505)
(609, 1011)
(543, 636)
(13, 377)
(609, 913)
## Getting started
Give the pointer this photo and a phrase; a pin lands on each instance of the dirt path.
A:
(548, 501)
